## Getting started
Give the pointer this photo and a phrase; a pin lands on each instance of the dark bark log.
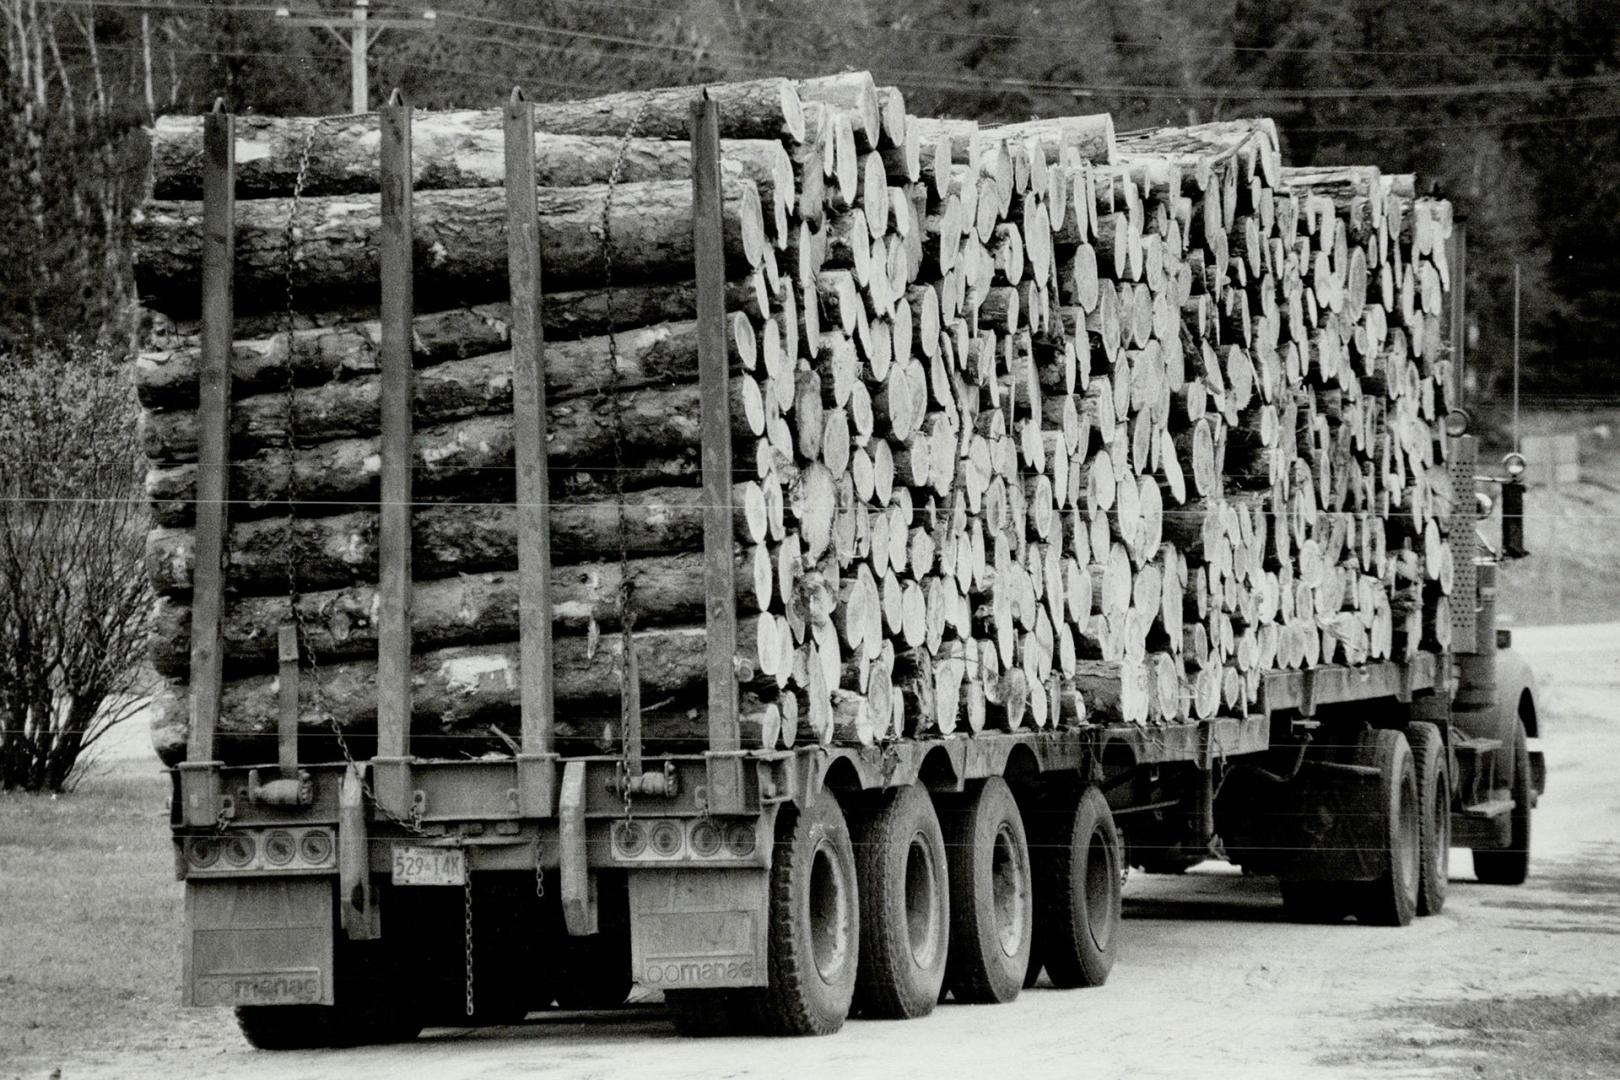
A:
(341, 550)
(460, 243)
(458, 462)
(456, 693)
(343, 345)
(461, 149)
(468, 609)
(454, 390)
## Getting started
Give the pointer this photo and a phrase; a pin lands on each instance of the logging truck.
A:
(1234, 603)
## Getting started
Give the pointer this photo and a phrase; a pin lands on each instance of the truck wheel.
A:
(287, 1027)
(1434, 801)
(371, 1008)
(706, 1014)
(992, 910)
(815, 922)
(1511, 865)
(595, 973)
(905, 908)
(1077, 893)
(1391, 898)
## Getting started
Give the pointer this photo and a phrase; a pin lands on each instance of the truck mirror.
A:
(1513, 519)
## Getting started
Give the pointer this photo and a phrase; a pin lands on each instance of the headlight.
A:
(1457, 421)
(1514, 464)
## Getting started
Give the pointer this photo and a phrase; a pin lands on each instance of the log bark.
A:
(341, 550)
(460, 243)
(455, 149)
(468, 609)
(343, 346)
(456, 693)
(453, 390)
(463, 460)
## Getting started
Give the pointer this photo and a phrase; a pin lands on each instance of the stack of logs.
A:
(1034, 426)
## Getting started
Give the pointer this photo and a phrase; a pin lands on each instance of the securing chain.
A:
(291, 251)
(467, 932)
(615, 407)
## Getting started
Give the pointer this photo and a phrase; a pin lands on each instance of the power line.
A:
(987, 84)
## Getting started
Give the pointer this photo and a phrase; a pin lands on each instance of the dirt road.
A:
(1211, 982)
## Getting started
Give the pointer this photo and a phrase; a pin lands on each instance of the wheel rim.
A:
(829, 915)
(922, 902)
(1408, 852)
(1099, 890)
(1440, 858)
(1007, 888)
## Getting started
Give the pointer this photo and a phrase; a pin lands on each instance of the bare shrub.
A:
(74, 604)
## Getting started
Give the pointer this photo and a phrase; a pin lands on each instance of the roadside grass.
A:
(1553, 1037)
(90, 919)
(1572, 575)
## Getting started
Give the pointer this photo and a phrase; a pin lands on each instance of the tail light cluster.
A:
(263, 849)
(669, 839)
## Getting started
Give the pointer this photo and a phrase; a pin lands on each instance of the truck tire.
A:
(992, 907)
(707, 1014)
(594, 972)
(371, 1008)
(905, 908)
(1078, 893)
(1390, 899)
(1511, 865)
(815, 922)
(1434, 799)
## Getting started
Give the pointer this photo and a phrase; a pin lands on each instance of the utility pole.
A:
(363, 30)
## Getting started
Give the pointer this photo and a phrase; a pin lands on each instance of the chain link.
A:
(291, 253)
(467, 928)
(539, 871)
(627, 585)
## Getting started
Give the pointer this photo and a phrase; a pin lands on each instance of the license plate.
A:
(430, 866)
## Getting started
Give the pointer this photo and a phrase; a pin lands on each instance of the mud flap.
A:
(258, 941)
(1323, 826)
(700, 928)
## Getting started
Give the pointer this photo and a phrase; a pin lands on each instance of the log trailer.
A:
(782, 890)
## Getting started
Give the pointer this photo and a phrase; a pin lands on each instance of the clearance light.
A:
(629, 838)
(279, 848)
(706, 837)
(740, 839)
(238, 850)
(666, 838)
(315, 847)
(202, 852)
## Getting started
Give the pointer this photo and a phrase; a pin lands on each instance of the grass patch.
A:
(90, 953)
(1559, 1037)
